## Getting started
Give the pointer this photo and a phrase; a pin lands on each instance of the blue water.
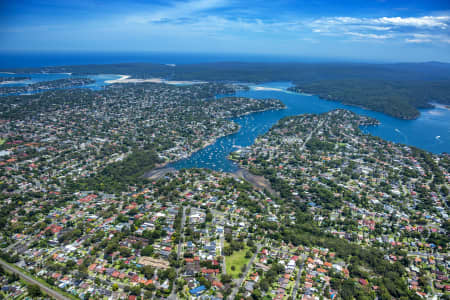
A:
(422, 132)
(39, 77)
(431, 131)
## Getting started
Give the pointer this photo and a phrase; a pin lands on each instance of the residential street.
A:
(244, 275)
(173, 295)
(297, 280)
(31, 280)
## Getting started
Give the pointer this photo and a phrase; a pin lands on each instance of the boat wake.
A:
(405, 137)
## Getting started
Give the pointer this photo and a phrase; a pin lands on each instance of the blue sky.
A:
(381, 30)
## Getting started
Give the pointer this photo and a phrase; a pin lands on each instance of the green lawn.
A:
(237, 259)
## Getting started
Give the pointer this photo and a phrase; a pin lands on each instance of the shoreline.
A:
(259, 182)
(119, 80)
(163, 166)
(440, 105)
(128, 79)
(13, 82)
(409, 118)
(262, 88)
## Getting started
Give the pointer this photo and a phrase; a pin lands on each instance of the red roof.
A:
(217, 284)
(54, 228)
(88, 198)
(363, 281)
(210, 271)
(148, 282)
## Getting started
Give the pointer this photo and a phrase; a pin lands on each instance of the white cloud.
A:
(370, 35)
(420, 38)
(176, 10)
(197, 17)
(376, 28)
(418, 41)
(409, 29)
(419, 22)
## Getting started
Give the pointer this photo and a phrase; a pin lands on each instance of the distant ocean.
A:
(43, 59)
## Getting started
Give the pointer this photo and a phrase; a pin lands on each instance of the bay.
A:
(431, 131)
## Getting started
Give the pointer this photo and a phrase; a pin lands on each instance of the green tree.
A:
(34, 291)
(147, 251)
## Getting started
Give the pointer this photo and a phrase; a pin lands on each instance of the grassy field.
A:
(237, 259)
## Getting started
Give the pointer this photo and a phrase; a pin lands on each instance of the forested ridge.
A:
(400, 99)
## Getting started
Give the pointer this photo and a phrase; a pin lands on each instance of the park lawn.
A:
(2, 141)
(237, 259)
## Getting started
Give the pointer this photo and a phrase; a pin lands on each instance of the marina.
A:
(421, 132)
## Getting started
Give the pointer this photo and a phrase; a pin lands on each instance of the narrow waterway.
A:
(431, 131)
